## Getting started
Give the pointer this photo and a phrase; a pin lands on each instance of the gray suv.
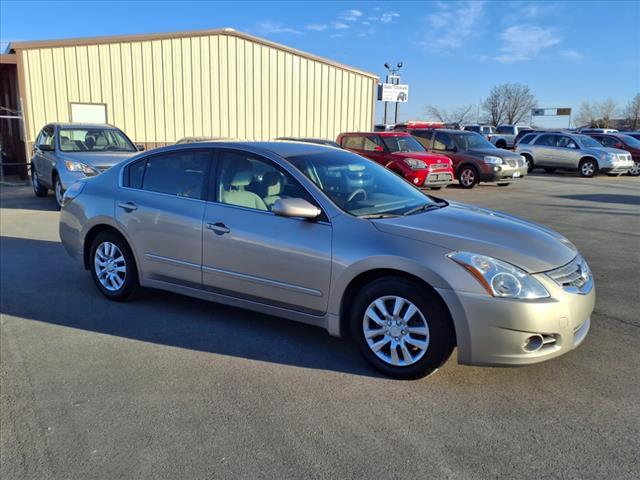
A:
(66, 152)
(568, 151)
(329, 238)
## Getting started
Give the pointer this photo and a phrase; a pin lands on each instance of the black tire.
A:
(39, 189)
(58, 191)
(441, 339)
(588, 167)
(549, 169)
(635, 170)
(468, 176)
(504, 184)
(530, 164)
(131, 284)
(435, 188)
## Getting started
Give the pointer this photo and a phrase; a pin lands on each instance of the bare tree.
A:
(596, 114)
(632, 112)
(459, 115)
(508, 103)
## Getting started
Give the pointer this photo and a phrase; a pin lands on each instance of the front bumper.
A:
(617, 167)
(494, 331)
(428, 178)
(502, 173)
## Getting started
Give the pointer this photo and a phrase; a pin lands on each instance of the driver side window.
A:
(442, 141)
(251, 182)
(566, 142)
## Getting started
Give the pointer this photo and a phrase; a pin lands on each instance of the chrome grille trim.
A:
(574, 277)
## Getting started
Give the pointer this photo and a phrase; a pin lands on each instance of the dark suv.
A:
(623, 142)
(474, 158)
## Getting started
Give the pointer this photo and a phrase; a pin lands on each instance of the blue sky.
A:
(453, 52)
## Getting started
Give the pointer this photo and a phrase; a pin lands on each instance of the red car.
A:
(622, 141)
(402, 154)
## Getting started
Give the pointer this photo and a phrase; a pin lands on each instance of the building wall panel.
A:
(221, 85)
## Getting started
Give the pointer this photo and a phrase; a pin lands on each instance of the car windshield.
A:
(587, 141)
(402, 143)
(505, 130)
(359, 186)
(94, 140)
(472, 141)
(629, 140)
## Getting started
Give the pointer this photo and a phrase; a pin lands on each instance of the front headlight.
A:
(493, 160)
(415, 164)
(500, 279)
(81, 167)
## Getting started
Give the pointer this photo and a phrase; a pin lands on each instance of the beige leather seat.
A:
(273, 183)
(238, 175)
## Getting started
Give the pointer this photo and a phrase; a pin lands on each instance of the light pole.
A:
(395, 79)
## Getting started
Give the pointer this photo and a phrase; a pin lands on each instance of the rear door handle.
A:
(218, 228)
(127, 206)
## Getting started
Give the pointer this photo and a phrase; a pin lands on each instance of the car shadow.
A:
(41, 283)
(604, 198)
(22, 198)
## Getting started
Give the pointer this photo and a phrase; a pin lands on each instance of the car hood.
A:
(496, 152)
(461, 227)
(424, 156)
(98, 159)
(601, 150)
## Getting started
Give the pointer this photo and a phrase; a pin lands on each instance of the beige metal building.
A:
(159, 88)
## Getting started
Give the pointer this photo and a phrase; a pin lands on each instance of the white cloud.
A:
(350, 15)
(336, 35)
(388, 17)
(524, 42)
(269, 27)
(339, 25)
(572, 55)
(453, 24)
(317, 27)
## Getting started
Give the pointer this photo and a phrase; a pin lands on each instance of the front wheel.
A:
(588, 167)
(39, 189)
(113, 267)
(401, 328)
(58, 191)
(468, 177)
(529, 163)
(435, 188)
(635, 170)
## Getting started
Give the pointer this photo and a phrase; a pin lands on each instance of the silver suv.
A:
(567, 151)
(326, 237)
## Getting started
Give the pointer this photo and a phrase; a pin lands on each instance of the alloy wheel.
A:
(395, 330)
(467, 177)
(58, 191)
(110, 266)
(635, 170)
(587, 169)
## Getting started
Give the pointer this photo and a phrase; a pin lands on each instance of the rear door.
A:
(161, 206)
(544, 150)
(253, 254)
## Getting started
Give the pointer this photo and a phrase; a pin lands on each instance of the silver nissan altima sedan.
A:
(326, 237)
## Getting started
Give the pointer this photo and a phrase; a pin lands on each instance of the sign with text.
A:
(550, 112)
(389, 92)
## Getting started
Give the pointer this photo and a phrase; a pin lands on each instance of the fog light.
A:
(416, 181)
(533, 343)
(497, 168)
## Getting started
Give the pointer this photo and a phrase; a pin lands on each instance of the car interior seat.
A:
(238, 175)
(273, 187)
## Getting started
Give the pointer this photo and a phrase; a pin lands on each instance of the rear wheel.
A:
(435, 188)
(588, 167)
(401, 328)
(39, 189)
(468, 176)
(113, 267)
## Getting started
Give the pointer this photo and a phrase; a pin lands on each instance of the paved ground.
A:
(171, 387)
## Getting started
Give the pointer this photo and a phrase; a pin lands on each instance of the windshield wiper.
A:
(423, 208)
(378, 215)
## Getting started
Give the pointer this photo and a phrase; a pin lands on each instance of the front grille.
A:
(439, 178)
(512, 162)
(574, 277)
(624, 156)
(438, 166)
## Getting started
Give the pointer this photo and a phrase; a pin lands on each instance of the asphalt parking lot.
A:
(172, 387)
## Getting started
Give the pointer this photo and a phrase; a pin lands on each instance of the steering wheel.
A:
(355, 193)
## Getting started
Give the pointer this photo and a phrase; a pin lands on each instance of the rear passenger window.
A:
(546, 140)
(355, 143)
(526, 139)
(135, 172)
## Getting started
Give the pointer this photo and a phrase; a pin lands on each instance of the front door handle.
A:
(127, 206)
(218, 228)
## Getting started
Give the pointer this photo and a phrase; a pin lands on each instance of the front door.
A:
(161, 208)
(566, 152)
(43, 160)
(251, 253)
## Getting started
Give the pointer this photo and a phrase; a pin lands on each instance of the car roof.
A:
(381, 134)
(83, 125)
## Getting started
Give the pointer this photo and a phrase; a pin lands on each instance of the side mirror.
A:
(295, 207)
(45, 147)
(140, 147)
(378, 148)
(451, 149)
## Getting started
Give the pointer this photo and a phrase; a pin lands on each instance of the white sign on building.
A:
(388, 92)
